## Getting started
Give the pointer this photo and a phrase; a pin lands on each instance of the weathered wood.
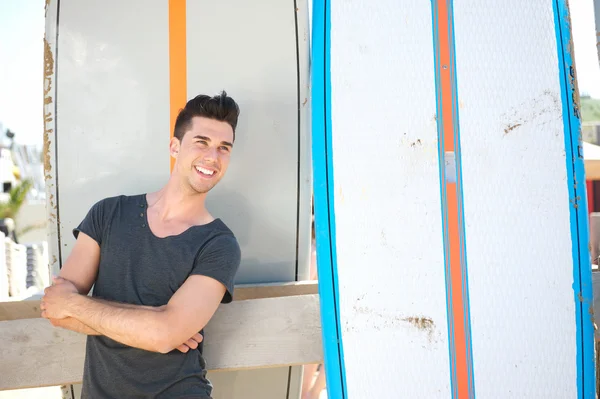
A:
(30, 309)
(20, 310)
(274, 290)
(34, 353)
(255, 333)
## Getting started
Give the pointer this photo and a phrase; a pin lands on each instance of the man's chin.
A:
(203, 188)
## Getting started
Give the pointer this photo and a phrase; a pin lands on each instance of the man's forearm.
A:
(73, 324)
(123, 305)
(138, 326)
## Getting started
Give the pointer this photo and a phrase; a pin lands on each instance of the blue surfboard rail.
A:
(324, 202)
(582, 268)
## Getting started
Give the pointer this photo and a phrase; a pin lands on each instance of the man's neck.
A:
(176, 202)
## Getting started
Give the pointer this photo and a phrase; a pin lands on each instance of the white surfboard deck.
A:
(520, 191)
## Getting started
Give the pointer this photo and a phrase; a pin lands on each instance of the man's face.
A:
(203, 153)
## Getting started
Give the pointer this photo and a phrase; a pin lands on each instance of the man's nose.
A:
(210, 154)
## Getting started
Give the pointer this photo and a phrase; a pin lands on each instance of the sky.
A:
(584, 40)
(21, 68)
(21, 63)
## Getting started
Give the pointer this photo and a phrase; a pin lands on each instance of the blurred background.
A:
(23, 249)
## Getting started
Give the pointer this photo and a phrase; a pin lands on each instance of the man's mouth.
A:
(205, 172)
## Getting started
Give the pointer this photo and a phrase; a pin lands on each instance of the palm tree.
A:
(10, 209)
(17, 197)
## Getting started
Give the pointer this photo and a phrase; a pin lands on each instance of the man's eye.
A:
(224, 148)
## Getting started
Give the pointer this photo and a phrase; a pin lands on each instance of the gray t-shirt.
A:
(137, 267)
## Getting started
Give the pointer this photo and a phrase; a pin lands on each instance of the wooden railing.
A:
(267, 325)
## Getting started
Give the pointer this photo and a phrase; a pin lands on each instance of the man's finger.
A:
(197, 337)
(191, 343)
(183, 348)
(58, 280)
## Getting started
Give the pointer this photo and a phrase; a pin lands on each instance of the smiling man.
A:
(160, 264)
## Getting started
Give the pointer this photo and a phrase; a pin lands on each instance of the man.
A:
(160, 265)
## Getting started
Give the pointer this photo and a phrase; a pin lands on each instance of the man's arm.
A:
(72, 324)
(81, 269)
(158, 329)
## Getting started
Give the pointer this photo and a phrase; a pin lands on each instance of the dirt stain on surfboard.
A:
(424, 324)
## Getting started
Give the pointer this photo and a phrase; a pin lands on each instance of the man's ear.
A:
(174, 146)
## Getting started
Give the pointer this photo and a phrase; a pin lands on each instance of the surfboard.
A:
(450, 201)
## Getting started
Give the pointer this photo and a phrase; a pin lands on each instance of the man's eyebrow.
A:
(227, 143)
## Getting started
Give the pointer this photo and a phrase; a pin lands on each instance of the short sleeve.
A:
(93, 223)
(220, 259)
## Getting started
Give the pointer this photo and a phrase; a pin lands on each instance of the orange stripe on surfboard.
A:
(177, 61)
(457, 305)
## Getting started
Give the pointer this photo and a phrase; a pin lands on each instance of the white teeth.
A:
(205, 171)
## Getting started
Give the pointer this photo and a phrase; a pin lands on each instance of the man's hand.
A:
(54, 308)
(191, 343)
(153, 328)
(56, 297)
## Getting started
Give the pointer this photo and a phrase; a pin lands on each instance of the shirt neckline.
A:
(144, 203)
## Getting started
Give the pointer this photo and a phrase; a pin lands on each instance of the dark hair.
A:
(220, 107)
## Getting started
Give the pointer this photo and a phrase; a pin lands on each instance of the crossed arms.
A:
(157, 329)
